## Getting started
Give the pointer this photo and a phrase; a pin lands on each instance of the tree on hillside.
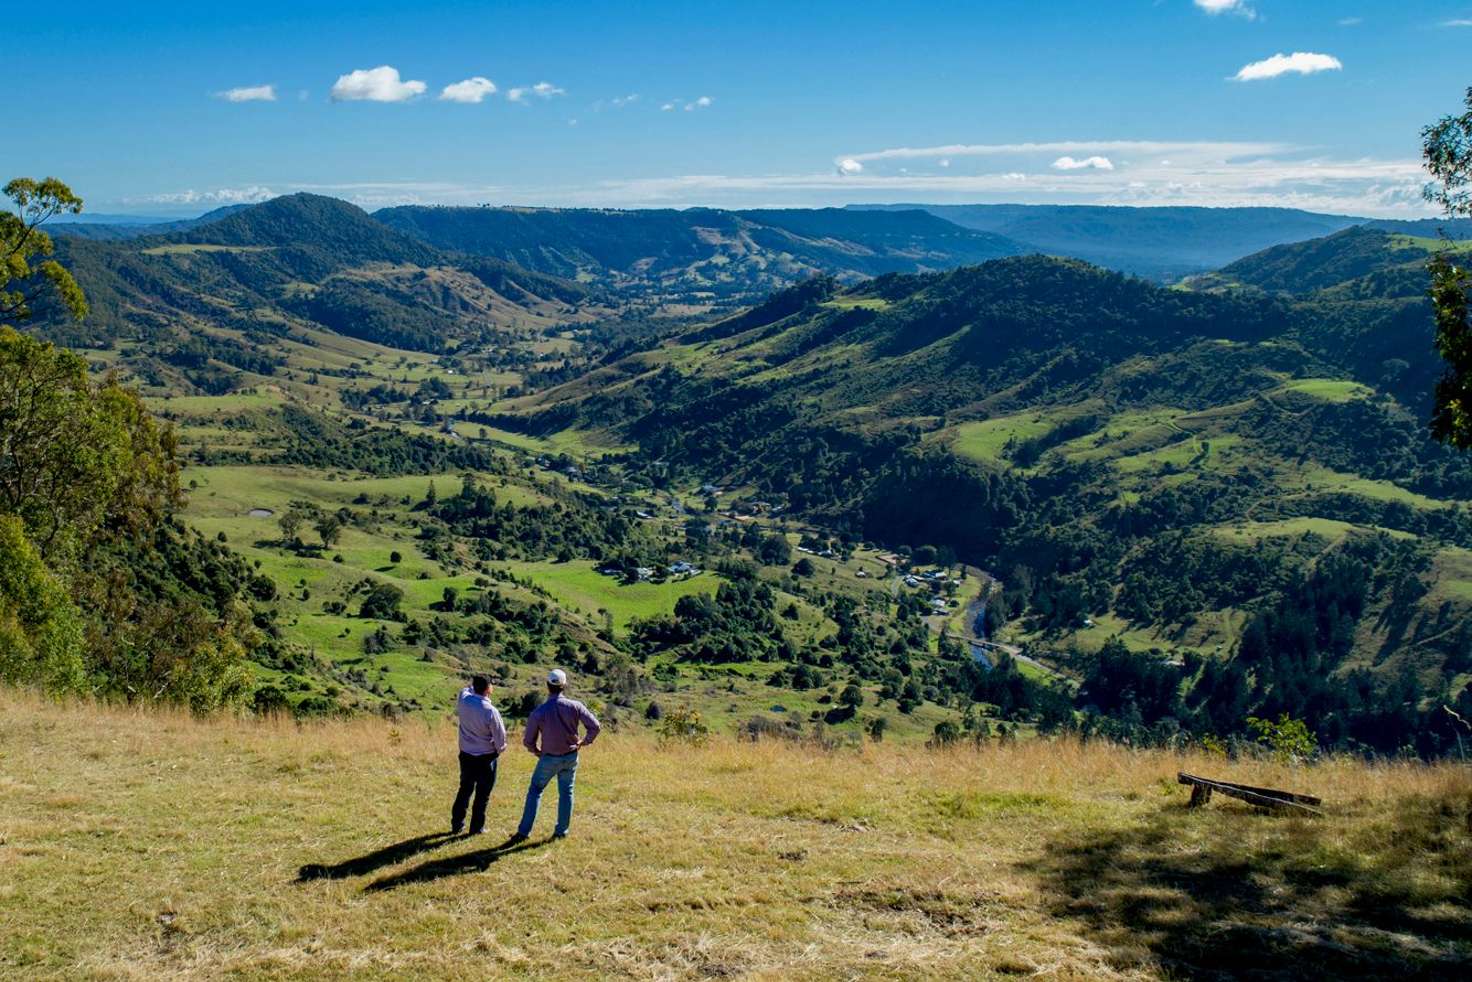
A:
(329, 527)
(23, 279)
(40, 627)
(382, 602)
(290, 523)
(75, 454)
(1447, 148)
(99, 587)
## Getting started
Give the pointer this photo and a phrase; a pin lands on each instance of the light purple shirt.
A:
(481, 729)
(556, 721)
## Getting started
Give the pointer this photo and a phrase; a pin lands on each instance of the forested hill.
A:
(238, 290)
(113, 227)
(1162, 243)
(1376, 260)
(1187, 472)
(702, 252)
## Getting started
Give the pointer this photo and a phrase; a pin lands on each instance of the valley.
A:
(518, 466)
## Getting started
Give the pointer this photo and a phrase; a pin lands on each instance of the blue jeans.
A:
(562, 767)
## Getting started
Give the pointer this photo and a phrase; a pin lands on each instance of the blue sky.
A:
(163, 108)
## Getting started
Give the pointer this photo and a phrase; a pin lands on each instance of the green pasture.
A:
(578, 585)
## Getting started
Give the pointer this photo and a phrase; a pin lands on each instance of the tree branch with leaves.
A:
(26, 271)
(1447, 149)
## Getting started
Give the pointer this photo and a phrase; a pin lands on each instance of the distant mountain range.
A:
(198, 305)
(702, 253)
(1157, 243)
(113, 227)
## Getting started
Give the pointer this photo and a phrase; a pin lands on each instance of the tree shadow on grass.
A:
(377, 859)
(1231, 893)
(470, 862)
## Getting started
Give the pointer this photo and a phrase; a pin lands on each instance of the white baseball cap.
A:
(557, 677)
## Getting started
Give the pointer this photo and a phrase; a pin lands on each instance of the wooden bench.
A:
(1202, 788)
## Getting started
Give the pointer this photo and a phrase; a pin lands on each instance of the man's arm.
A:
(529, 737)
(591, 729)
(498, 732)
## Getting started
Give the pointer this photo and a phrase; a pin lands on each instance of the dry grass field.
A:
(148, 845)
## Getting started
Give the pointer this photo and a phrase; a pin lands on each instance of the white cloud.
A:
(1458, 22)
(220, 196)
(704, 102)
(381, 84)
(1350, 21)
(1204, 173)
(617, 102)
(542, 90)
(848, 165)
(1087, 163)
(470, 90)
(944, 161)
(1300, 62)
(1240, 7)
(249, 93)
(1150, 148)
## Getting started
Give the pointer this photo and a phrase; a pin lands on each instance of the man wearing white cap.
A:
(555, 722)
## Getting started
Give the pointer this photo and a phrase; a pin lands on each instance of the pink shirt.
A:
(556, 722)
(481, 729)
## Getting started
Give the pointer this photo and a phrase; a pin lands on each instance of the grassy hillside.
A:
(139, 844)
(1154, 465)
(1355, 263)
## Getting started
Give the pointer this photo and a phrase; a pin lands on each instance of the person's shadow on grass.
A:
(377, 859)
(470, 862)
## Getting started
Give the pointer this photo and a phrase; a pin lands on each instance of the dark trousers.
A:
(477, 775)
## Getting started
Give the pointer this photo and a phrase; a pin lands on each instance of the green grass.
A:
(1321, 479)
(191, 248)
(1429, 244)
(207, 405)
(1326, 390)
(848, 303)
(1213, 632)
(1247, 533)
(574, 442)
(1126, 434)
(1211, 453)
(577, 584)
(1452, 576)
(985, 440)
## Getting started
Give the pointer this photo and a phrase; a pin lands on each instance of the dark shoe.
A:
(559, 835)
(476, 832)
(515, 839)
(455, 829)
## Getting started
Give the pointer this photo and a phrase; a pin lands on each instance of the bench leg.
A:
(1200, 795)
